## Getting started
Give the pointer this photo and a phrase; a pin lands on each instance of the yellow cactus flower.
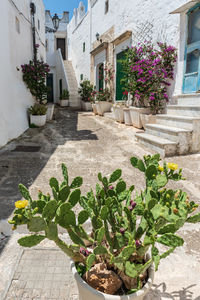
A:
(172, 166)
(21, 204)
(160, 168)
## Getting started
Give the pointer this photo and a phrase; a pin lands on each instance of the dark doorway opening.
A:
(61, 46)
(50, 97)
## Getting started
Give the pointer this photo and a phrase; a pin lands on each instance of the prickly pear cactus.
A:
(124, 226)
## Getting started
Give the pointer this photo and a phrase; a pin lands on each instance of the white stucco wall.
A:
(129, 15)
(76, 37)
(16, 49)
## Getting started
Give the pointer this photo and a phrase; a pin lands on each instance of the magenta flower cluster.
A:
(148, 70)
(34, 75)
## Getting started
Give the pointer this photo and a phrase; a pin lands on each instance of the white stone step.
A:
(184, 110)
(184, 122)
(187, 99)
(182, 136)
(160, 145)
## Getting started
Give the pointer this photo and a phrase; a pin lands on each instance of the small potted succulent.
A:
(116, 259)
(38, 114)
(64, 98)
(86, 92)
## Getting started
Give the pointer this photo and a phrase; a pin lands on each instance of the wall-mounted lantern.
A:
(56, 21)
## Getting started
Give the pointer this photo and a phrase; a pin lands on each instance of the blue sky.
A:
(58, 6)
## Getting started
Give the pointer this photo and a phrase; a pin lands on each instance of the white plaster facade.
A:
(17, 49)
(149, 19)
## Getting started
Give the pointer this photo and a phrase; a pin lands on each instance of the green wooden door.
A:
(119, 75)
(101, 77)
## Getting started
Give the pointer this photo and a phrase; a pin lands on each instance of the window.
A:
(17, 25)
(106, 6)
(38, 24)
(83, 47)
(81, 77)
(46, 45)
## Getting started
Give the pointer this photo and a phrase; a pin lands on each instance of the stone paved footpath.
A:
(87, 144)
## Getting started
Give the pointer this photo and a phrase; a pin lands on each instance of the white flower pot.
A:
(147, 119)
(127, 116)
(135, 115)
(64, 102)
(50, 110)
(103, 106)
(118, 113)
(86, 292)
(94, 107)
(86, 106)
(38, 120)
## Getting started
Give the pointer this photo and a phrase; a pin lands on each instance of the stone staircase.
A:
(74, 99)
(178, 131)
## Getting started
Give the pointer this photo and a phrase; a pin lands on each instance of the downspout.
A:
(33, 11)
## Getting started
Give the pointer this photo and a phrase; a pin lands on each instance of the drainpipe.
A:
(33, 11)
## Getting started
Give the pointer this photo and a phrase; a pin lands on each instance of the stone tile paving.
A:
(42, 274)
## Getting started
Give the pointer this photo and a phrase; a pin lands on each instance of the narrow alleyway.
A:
(87, 145)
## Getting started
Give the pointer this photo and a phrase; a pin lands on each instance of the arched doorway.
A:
(100, 70)
(191, 82)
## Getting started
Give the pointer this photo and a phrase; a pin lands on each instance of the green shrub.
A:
(65, 95)
(38, 109)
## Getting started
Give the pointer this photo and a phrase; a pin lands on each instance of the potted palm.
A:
(86, 92)
(148, 70)
(38, 114)
(115, 260)
(64, 98)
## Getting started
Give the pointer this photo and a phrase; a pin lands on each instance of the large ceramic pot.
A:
(147, 119)
(136, 115)
(103, 106)
(64, 102)
(127, 116)
(50, 111)
(86, 292)
(94, 107)
(118, 113)
(38, 120)
(86, 106)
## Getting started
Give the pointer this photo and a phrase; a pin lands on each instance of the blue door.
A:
(191, 83)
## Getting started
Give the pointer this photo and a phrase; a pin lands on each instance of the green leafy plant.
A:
(103, 95)
(124, 227)
(35, 75)
(86, 91)
(65, 95)
(38, 109)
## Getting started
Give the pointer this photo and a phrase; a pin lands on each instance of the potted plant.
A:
(104, 104)
(148, 70)
(35, 75)
(86, 89)
(118, 255)
(38, 114)
(64, 98)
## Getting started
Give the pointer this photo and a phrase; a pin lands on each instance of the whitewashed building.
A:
(100, 36)
(17, 49)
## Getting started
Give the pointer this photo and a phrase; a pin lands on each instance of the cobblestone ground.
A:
(87, 145)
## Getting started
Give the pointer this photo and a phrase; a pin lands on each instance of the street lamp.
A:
(56, 21)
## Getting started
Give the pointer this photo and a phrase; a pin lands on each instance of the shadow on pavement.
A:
(159, 292)
(24, 167)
